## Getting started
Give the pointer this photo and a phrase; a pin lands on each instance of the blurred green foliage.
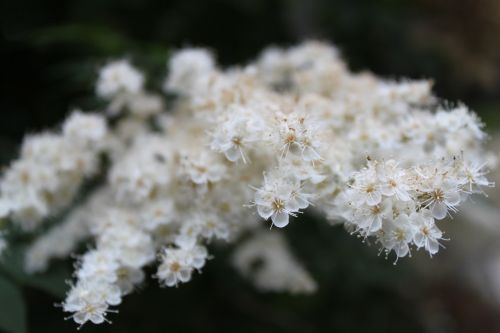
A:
(52, 281)
(12, 307)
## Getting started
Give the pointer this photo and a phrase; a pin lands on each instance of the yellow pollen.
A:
(370, 188)
(375, 210)
(437, 195)
(278, 205)
(290, 138)
(175, 267)
(237, 141)
(400, 235)
(25, 177)
(122, 273)
(89, 308)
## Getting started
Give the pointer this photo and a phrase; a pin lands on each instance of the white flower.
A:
(370, 218)
(145, 105)
(88, 302)
(172, 270)
(195, 256)
(97, 265)
(132, 246)
(399, 235)
(234, 136)
(367, 188)
(297, 135)
(428, 234)
(94, 312)
(118, 77)
(127, 278)
(208, 225)
(189, 71)
(202, 168)
(85, 128)
(460, 119)
(177, 264)
(157, 213)
(394, 181)
(139, 173)
(474, 176)
(278, 198)
(440, 197)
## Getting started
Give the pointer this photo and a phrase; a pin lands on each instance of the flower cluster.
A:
(51, 168)
(400, 206)
(178, 264)
(238, 146)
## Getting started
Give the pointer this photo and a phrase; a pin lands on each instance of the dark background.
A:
(51, 51)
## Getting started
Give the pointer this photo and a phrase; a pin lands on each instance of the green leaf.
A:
(52, 281)
(100, 38)
(12, 307)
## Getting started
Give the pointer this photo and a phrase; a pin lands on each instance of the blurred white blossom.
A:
(119, 77)
(295, 129)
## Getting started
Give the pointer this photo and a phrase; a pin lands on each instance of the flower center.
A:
(236, 140)
(437, 195)
(375, 210)
(290, 138)
(175, 267)
(370, 188)
(425, 231)
(278, 205)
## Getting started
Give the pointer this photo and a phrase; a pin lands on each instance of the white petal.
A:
(198, 263)
(309, 154)
(280, 219)
(170, 280)
(185, 241)
(419, 239)
(96, 318)
(199, 178)
(80, 318)
(453, 198)
(432, 246)
(303, 203)
(402, 195)
(316, 178)
(114, 299)
(439, 210)
(387, 191)
(376, 224)
(264, 211)
(233, 154)
(373, 198)
(293, 205)
(184, 275)
(401, 249)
